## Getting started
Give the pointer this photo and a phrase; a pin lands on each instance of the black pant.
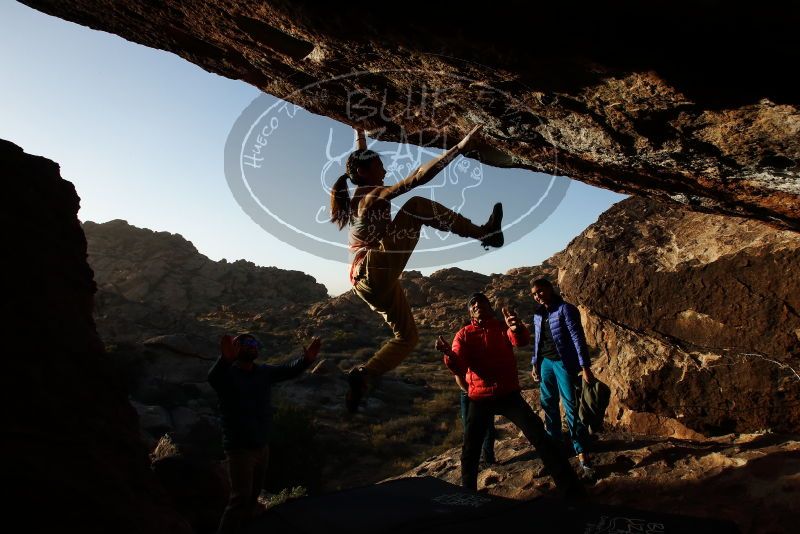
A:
(512, 406)
(491, 432)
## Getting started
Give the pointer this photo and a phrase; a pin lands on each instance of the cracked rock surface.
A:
(694, 317)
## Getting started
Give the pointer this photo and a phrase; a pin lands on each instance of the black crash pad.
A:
(427, 504)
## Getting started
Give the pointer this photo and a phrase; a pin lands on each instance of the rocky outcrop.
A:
(199, 489)
(444, 286)
(160, 283)
(689, 102)
(695, 317)
(345, 322)
(161, 308)
(438, 303)
(749, 479)
(70, 437)
(439, 300)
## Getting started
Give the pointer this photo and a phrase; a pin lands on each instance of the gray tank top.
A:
(373, 225)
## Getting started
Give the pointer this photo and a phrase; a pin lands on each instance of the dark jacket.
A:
(594, 399)
(484, 355)
(568, 336)
(245, 400)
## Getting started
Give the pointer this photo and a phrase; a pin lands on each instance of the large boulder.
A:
(695, 317)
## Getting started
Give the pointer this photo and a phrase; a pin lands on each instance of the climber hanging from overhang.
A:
(382, 246)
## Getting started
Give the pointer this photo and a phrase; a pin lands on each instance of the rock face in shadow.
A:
(695, 317)
(690, 102)
(70, 437)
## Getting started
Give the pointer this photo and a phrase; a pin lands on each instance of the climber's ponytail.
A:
(340, 202)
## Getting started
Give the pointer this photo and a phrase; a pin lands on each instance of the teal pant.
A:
(558, 385)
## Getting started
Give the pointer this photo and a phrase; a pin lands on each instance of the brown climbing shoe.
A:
(494, 228)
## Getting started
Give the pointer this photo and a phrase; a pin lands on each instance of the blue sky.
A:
(141, 134)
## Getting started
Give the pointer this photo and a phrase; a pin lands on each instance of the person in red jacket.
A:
(482, 358)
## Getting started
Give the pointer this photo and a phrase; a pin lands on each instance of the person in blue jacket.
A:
(560, 359)
(244, 389)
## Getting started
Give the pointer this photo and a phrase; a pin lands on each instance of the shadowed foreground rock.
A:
(688, 101)
(70, 439)
(750, 479)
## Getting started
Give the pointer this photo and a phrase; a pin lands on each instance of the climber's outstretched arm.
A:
(361, 139)
(425, 173)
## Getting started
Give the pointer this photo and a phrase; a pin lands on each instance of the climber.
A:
(482, 356)
(244, 390)
(382, 246)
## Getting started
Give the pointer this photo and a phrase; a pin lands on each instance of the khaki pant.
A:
(377, 283)
(246, 468)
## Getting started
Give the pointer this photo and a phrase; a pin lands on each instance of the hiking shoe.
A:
(357, 387)
(494, 228)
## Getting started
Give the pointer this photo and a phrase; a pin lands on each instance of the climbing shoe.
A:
(493, 229)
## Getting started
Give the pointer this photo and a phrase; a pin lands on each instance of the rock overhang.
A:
(691, 103)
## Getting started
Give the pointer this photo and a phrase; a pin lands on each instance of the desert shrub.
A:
(398, 435)
(341, 340)
(283, 496)
(164, 448)
(443, 402)
(296, 457)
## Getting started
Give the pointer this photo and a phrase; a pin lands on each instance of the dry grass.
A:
(399, 433)
(281, 497)
(164, 449)
(444, 402)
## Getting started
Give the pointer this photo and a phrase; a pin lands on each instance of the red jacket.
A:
(484, 355)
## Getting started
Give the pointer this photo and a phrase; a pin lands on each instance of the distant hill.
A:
(154, 282)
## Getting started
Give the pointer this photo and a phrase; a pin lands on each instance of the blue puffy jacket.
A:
(567, 330)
